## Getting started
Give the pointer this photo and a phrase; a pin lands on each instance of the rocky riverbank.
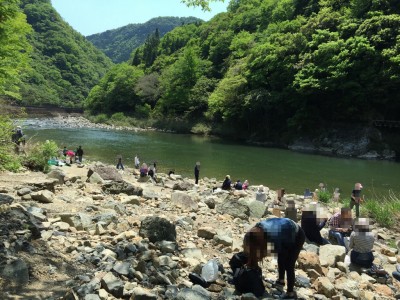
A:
(70, 121)
(117, 236)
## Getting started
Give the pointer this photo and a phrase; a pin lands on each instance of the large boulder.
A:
(157, 229)
(139, 293)
(325, 287)
(6, 199)
(107, 173)
(80, 221)
(112, 284)
(235, 209)
(16, 272)
(309, 261)
(184, 201)
(57, 174)
(257, 209)
(182, 186)
(329, 255)
(189, 294)
(119, 187)
(44, 196)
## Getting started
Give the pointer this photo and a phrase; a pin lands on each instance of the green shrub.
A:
(101, 118)
(143, 111)
(38, 156)
(9, 159)
(324, 196)
(201, 128)
(384, 210)
(118, 117)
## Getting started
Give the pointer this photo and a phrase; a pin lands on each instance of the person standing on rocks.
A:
(119, 163)
(356, 198)
(197, 172)
(79, 153)
(278, 236)
(137, 162)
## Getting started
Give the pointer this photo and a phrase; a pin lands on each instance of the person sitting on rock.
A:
(312, 222)
(261, 195)
(340, 226)
(238, 185)
(277, 236)
(245, 184)
(227, 184)
(143, 170)
(361, 244)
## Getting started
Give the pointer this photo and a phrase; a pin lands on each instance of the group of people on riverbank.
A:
(284, 238)
(76, 155)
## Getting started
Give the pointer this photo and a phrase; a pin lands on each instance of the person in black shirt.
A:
(226, 185)
(197, 172)
(312, 223)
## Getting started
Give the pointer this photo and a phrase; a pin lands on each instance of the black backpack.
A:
(249, 280)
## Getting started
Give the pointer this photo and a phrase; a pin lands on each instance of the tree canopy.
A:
(273, 68)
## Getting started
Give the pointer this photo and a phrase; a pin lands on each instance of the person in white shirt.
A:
(361, 244)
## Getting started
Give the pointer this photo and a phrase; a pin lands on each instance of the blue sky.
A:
(94, 16)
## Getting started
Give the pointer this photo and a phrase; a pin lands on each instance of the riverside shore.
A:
(119, 236)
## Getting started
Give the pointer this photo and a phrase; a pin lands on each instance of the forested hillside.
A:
(267, 69)
(118, 43)
(64, 66)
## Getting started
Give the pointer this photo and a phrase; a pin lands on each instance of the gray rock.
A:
(112, 284)
(311, 248)
(95, 178)
(37, 212)
(119, 187)
(44, 196)
(57, 174)
(122, 268)
(107, 173)
(6, 199)
(223, 240)
(184, 201)
(206, 232)
(329, 255)
(140, 293)
(80, 221)
(167, 247)
(189, 294)
(257, 209)
(210, 202)
(92, 297)
(157, 229)
(17, 272)
(24, 191)
(182, 186)
(106, 217)
(150, 194)
(235, 209)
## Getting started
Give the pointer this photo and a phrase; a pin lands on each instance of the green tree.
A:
(115, 91)
(14, 47)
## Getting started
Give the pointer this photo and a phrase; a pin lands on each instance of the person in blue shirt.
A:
(277, 236)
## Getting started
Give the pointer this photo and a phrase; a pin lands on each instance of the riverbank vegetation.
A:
(265, 70)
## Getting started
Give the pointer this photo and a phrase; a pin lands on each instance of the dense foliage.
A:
(269, 69)
(118, 43)
(64, 65)
(14, 47)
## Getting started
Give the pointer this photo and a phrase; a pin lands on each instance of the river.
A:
(275, 168)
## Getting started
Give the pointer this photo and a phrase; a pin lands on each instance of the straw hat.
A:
(227, 176)
(261, 188)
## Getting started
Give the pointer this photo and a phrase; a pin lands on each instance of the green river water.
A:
(275, 168)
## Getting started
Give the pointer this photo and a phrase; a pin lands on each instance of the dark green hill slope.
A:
(64, 65)
(118, 43)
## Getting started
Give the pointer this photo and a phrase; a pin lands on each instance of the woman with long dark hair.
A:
(276, 236)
